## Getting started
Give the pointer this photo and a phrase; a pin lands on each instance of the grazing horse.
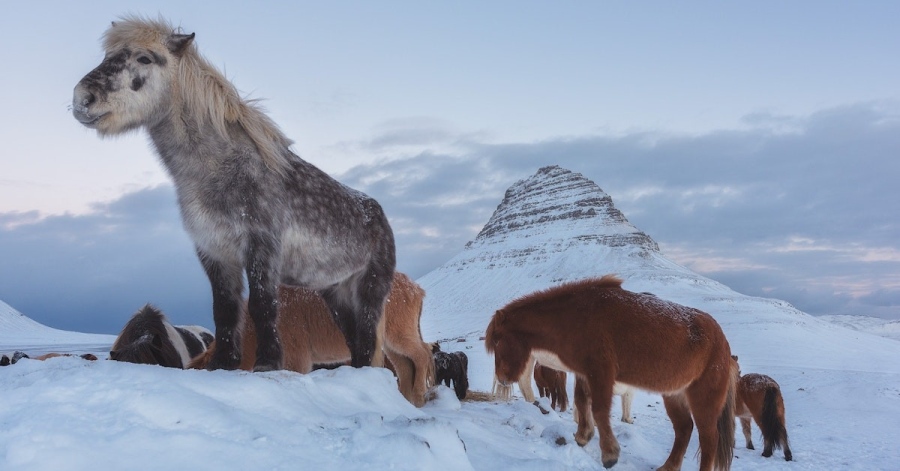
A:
(451, 367)
(759, 397)
(149, 338)
(605, 334)
(250, 205)
(312, 338)
(552, 383)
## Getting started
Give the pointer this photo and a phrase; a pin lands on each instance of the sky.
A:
(756, 143)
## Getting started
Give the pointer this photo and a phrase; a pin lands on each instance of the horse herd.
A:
(319, 260)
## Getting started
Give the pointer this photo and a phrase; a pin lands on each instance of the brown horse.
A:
(759, 397)
(311, 337)
(552, 383)
(606, 334)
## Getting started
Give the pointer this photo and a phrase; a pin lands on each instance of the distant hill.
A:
(19, 332)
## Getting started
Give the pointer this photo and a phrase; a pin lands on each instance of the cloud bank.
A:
(797, 208)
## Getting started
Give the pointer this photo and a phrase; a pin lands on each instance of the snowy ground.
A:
(70, 414)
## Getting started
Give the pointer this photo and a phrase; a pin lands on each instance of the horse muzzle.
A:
(82, 100)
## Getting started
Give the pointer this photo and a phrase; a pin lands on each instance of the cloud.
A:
(91, 272)
(808, 216)
(733, 204)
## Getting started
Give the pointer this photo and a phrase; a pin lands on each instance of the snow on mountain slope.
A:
(19, 332)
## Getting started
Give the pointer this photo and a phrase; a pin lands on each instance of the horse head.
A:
(511, 353)
(147, 350)
(132, 86)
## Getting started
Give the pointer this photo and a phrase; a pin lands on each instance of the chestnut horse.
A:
(759, 397)
(605, 334)
(552, 383)
(311, 337)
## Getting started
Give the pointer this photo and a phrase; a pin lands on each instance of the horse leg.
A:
(680, 414)
(627, 398)
(366, 310)
(601, 404)
(525, 381)
(745, 427)
(563, 394)
(707, 398)
(227, 286)
(582, 413)
(262, 303)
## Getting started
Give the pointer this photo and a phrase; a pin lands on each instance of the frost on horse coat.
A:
(250, 205)
(605, 334)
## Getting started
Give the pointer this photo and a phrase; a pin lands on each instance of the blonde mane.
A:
(204, 91)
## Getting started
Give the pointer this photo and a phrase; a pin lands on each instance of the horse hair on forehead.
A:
(250, 205)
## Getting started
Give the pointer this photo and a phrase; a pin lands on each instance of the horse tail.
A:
(772, 425)
(725, 424)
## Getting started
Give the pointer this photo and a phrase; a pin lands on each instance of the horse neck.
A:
(539, 332)
(189, 148)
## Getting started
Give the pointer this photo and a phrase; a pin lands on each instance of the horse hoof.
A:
(610, 463)
(263, 368)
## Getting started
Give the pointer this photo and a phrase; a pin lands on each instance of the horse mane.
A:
(208, 96)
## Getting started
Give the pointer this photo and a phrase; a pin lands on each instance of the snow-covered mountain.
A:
(557, 226)
(19, 332)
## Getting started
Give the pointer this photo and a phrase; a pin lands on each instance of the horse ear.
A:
(178, 43)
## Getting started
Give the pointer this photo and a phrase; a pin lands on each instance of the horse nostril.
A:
(87, 99)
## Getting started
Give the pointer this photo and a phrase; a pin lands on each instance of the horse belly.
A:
(551, 360)
(316, 262)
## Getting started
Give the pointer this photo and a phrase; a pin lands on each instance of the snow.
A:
(841, 385)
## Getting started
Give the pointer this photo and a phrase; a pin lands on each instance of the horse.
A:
(605, 334)
(149, 338)
(452, 367)
(499, 391)
(759, 397)
(552, 383)
(83, 356)
(250, 205)
(311, 337)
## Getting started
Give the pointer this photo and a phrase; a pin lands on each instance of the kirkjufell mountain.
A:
(559, 226)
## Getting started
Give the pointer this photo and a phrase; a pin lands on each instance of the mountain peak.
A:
(561, 204)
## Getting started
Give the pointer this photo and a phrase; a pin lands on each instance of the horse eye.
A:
(144, 60)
